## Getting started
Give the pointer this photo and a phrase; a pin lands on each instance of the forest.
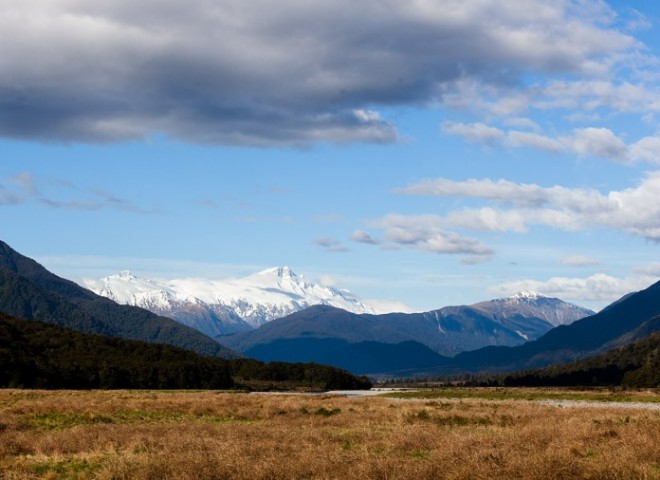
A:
(37, 355)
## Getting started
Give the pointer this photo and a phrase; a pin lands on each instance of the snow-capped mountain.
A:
(221, 307)
(534, 305)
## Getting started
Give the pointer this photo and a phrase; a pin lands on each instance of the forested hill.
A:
(37, 355)
(29, 291)
(633, 365)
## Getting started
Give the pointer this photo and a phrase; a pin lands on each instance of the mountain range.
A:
(241, 313)
(447, 331)
(222, 307)
(443, 341)
(626, 320)
(312, 335)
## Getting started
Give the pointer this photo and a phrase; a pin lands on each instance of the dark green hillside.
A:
(29, 291)
(36, 355)
(634, 365)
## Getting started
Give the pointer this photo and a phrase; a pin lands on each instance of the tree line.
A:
(39, 355)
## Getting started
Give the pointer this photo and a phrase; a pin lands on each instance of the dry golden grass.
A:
(210, 435)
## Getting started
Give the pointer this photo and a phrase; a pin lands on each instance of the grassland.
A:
(217, 435)
(533, 394)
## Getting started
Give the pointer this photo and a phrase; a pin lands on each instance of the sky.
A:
(420, 154)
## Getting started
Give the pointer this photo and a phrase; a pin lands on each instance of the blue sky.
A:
(418, 153)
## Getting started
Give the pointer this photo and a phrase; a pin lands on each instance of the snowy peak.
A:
(280, 272)
(225, 306)
(526, 295)
(535, 305)
(125, 275)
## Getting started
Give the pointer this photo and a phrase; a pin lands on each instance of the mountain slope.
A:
(633, 316)
(37, 355)
(635, 365)
(28, 290)
(532, 305)
(359, 358)
(447, 331)
(228, 306)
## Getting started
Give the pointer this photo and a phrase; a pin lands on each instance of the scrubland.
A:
(218, 435)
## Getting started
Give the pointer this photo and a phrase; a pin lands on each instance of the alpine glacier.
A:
(223, 307)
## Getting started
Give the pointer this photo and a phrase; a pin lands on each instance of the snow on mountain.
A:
(221, 307)
(534, 305)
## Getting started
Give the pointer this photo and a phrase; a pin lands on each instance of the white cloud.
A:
(534, 140)
(522, 122)
(236, 72)
(427, 233)
(646, 149)
(634, 210)
(591, 95)
(598, 142)
(474, 132)
(600, 288)
(486, 219)
(363, 237)
(584, 142)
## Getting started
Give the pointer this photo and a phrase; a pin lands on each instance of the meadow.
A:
(218, 435)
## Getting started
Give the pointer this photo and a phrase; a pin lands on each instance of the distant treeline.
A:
(38, 355)
(636, 365)
(633, 365)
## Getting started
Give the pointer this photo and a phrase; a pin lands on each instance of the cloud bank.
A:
(248, 73)
(597, 142)
(634, 210)
(600, 288)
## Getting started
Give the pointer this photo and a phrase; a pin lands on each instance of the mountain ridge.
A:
(29, 291)
(447, 331)
(221, 307)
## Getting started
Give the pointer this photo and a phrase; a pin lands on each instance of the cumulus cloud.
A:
(593, 94)
(598, 142)
(236, 72)
(534, 140)
(500, 190)
(428, 233)
(634, 210)
(646, 149)
(475, 132)
(594, 142)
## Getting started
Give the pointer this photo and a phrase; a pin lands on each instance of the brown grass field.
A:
(216, 435)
